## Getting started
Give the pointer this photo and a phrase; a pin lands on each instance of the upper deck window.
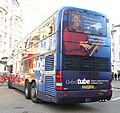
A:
(87, 23)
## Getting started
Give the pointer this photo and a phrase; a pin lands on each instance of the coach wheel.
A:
(27, 90)
(34, 93)
(9, 83)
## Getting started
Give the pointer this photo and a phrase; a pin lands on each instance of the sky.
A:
(36, 11)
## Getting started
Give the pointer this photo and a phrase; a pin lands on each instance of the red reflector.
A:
(109, 92)
(65, 94)
(58, 87)
(111, 77)
(110, 87)
(65, 12)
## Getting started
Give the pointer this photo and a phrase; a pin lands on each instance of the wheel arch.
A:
(29, 80)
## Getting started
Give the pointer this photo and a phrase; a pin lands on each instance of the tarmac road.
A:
(13, 101)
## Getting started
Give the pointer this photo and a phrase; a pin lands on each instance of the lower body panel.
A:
(82, 96)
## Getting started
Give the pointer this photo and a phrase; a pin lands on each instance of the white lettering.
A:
(84, 81)
(71, 82)
(78, 81)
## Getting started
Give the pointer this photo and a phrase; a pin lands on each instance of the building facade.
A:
(115, 56)
(10, 27)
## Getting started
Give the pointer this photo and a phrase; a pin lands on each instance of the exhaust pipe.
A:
(103, 100)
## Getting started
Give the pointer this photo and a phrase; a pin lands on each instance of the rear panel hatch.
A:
(76, 80)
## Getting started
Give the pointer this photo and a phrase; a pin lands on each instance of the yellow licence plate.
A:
(88, 87)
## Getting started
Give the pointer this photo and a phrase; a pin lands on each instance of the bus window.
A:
(25, 66)
(87, 23)
(76, 34)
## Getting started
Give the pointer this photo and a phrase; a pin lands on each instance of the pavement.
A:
(116, 84)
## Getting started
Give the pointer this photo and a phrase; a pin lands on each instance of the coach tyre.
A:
(9, 83)
(27, 90)
(34, 93)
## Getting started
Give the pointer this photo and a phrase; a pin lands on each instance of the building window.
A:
(25, 66)
(0, 37)
(15, 2)
(119, 55)
(3, 13)
(0, 41)
(0, 44)
(118, 28)
(10, 41)
(119, 39)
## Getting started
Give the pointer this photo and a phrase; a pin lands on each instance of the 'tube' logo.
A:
(84, 81)
(78, 81)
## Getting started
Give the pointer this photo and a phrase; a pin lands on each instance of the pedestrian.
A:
(118, 76)
(112, 75)
(115, 76)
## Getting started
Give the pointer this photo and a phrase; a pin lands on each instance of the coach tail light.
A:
(58, 80)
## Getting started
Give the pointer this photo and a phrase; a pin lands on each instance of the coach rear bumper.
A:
(82, 96)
